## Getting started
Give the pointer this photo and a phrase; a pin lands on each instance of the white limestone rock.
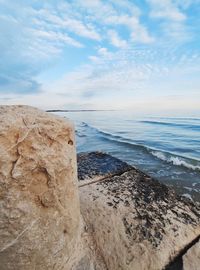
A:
(39, 204)
(191, 260)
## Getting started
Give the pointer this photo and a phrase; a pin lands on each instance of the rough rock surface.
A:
(137, 222)
(191, 260)
(39, 204)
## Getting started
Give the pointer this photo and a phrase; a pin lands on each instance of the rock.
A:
(39, 205)
(137, 223)
(97, 165)
(191, 260)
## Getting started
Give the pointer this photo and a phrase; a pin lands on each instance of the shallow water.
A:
(166, 148)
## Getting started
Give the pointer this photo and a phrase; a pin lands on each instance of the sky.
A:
(140, 55)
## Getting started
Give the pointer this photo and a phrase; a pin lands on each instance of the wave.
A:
(80, 135)
(111, 136)
(83, 124)
(178, 118)
(189, 126)
(165, 156)
(176, 160)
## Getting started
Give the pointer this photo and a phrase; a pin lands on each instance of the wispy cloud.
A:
(115, 39)
(115, 13)
(62, 21)
(173, 19)
(52, 36)
(166, 9)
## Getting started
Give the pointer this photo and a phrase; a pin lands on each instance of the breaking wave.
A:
(176, 160)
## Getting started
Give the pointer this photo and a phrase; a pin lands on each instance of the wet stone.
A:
(98, 163)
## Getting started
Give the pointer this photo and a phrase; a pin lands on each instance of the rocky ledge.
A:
(137, 222)
(114, 217)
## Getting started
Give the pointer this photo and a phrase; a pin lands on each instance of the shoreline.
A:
(183, 188)
(80, 110)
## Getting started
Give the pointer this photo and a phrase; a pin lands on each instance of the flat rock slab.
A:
(137, 222)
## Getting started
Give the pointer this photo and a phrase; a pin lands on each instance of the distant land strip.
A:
(79, 110)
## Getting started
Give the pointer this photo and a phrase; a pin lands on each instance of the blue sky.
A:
(141, 55)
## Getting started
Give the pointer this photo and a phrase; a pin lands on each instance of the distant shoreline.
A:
(79, 110)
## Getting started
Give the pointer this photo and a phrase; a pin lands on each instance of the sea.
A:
(166, 148)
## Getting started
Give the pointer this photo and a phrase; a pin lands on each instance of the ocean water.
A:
(166, 148)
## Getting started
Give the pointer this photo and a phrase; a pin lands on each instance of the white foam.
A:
(192, 189)
(188, 196)
(189, 188)
(159, 155)
(177, 161)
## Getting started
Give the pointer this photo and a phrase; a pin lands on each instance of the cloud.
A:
(32, 37)
(185, 4)
(72, 25)
(173, 19)
(128, 74)
(16, 73)
(16, 83)
(55, 36)
(166, 9)
(125, 70)
(118, 13)
(138, 32)
(116, 40)
(136, 78)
